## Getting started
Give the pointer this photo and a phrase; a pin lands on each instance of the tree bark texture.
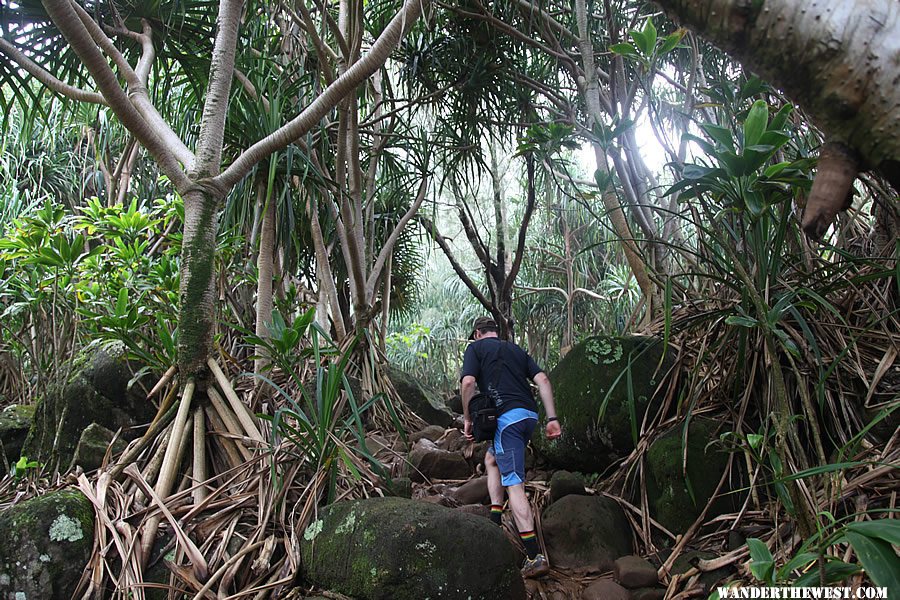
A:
(197, 318)
(836, 59)
(265, 262)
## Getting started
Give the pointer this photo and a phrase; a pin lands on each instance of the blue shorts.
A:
(514, 429)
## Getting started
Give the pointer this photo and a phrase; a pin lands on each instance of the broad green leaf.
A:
(122, 303)
(640, 40)
(780, 119)
(691, 171)
(799, 561)
(650, 35)
(835, 572)
(878, 559)
(882, 529)
(722, 135)
(671, 41)
(775, 169)
(755, 440)
(624, 49)
(755, 123)
(761, 565)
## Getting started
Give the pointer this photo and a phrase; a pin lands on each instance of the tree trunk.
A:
(197, 317)
(836, 59)
(264, 266)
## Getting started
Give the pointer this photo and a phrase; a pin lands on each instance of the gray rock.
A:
(563, 483)
(432, 433)
(97, 391)
(390, 548)
(47, 541)
(427, 461)
(479, 510)
(586, 532)
(635, 572)
(453, 440)
(15, 420)
(92, 447)
(604, 589)
(474, 491)
(424, 402)
(648, 593)
(400, 486)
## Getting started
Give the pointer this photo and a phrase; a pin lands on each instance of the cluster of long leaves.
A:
(320, 417)
(763, 296)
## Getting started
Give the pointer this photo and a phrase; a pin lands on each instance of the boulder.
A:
(15, 420)
(453, 440)
(649, 593)
(400, 486)
(586, 532)
(479, 510)
(47, 541)
(427, 461)
(604, 589)
(432, 433)
(474, 491)
(96, 391)
(667, 493)
(635, 572)
(563, 483)
(92, 447)
(391, 548)
(598, 415)
(424, 402)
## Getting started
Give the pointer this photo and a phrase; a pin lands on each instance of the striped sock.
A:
(529, 540)
(496, 513)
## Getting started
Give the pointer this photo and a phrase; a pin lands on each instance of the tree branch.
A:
(215, 107)
(343, 85)
(388, 247)
(69, 23)
(441, 241)
(523, 229)
(137, 90)
(46, 78)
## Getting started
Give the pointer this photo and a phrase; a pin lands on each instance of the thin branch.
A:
(523, 229)
(328, 99)
(69, 23)
(463, 276)
(388, 247)
(326, 54)
(46, 78)
(137, 91)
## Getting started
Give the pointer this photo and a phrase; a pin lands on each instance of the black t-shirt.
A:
(481, 361)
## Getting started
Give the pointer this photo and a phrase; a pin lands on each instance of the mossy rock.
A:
(47, 542)
(92, 447)
(398, 549)
(15, 420)
(97, 391)
(597, 413)
(671, 503)
(424, 402)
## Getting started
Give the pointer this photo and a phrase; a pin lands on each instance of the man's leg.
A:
(495, 488)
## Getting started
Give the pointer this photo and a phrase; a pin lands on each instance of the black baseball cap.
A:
(482, 323)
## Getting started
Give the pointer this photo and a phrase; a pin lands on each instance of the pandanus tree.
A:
(115, 55)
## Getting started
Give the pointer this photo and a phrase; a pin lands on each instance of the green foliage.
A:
(324, 426)
(646, 47)
(871, 541)
(108, 273)
(22, 467)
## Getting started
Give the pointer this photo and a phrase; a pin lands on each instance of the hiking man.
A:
(501, 370)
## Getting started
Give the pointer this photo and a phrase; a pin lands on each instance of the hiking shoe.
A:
(535, 567)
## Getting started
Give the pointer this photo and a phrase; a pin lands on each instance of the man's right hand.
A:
(467, 430)
(553, 430)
